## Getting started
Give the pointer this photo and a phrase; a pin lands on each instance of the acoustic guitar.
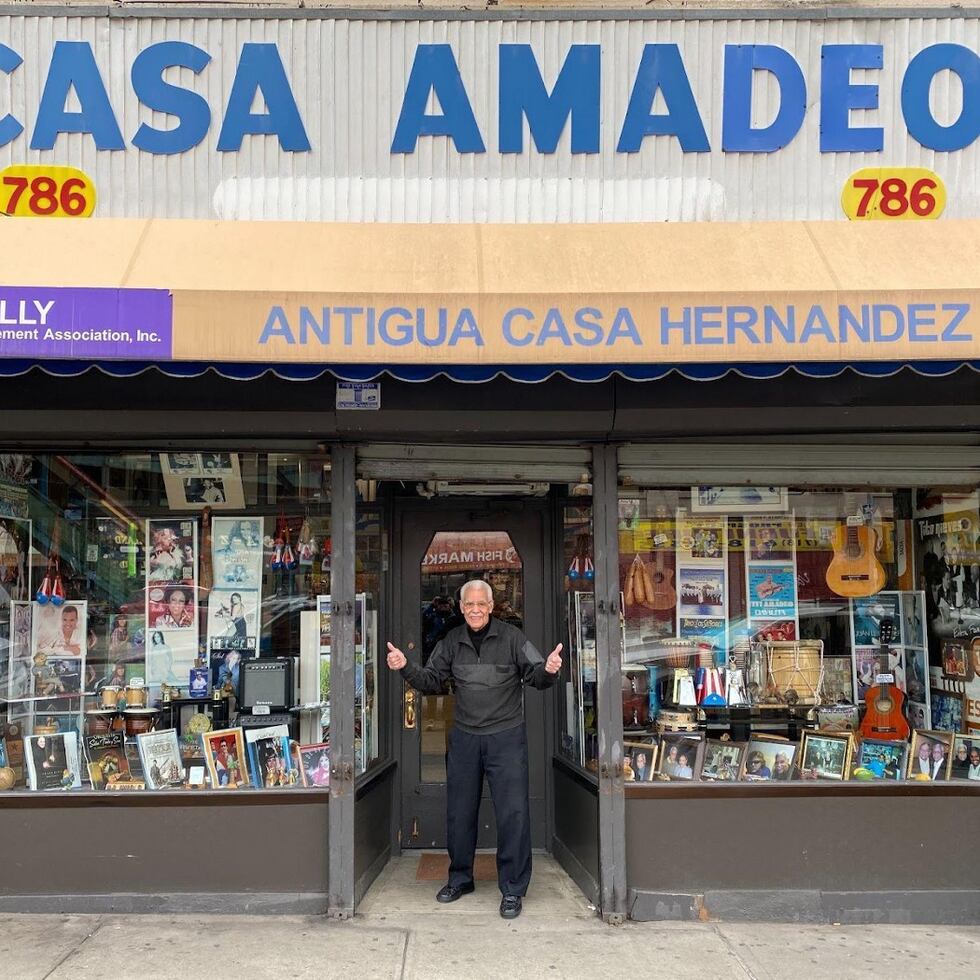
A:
(854, 571)
(884, 714)
(664, 595)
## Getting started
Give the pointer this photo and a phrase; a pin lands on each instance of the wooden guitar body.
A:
(854, 571)
(884, 717)
(664, 595)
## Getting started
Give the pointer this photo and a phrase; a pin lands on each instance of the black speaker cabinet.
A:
(267, 682)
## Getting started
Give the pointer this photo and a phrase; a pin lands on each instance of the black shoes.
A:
(510, 906)
(450, 893)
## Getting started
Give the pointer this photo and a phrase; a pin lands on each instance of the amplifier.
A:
(266, 682)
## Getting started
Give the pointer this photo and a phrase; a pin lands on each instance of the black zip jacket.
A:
(487, 685)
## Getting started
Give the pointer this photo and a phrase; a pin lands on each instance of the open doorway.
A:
(438, 548)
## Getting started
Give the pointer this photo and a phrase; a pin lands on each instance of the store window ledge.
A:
(378, 770)
(579, 773)
(796, 789)
(83, 798)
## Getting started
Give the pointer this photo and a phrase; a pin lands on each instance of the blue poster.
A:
(772, 592)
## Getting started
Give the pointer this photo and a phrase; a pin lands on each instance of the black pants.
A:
(503, 758)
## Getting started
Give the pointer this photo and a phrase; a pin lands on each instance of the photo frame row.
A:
(819, 755)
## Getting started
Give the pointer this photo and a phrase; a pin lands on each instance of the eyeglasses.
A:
(476, 605)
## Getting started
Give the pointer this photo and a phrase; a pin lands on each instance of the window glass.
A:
(159, 621)
(777, 633)
(579, 723)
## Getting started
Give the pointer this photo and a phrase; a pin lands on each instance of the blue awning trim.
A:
(475, 374)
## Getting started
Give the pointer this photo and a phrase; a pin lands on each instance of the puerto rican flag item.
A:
(711, 687)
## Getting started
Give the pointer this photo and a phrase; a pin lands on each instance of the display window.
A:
(165, 622)
(791, 634)
(579, 737)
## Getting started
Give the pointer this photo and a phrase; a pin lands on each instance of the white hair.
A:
(476, 583)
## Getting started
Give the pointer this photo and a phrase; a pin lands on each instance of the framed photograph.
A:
(837, 718)
(224, 752)
(197, 480)
(269, 757)
(768, 759)
(52, 761)
(723, 760)
(160, 759)
(746, 500)
(680, 755)
(947, 711)
(641, 758)
(966, 758)
(930, 755)
(315, 763)
(955, 661)
(824, 755)
(883, 759)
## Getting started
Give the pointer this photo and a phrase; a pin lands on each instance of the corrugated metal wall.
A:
(349, 78)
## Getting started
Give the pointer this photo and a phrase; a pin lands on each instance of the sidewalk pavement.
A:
(429, 946)
(400, 932)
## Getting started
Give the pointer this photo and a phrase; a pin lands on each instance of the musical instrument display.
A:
(884, 715)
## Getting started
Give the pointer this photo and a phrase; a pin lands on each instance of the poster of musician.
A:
(171, 552)
(947, 548)
(237, 552)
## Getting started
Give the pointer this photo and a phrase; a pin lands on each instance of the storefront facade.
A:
(373, 304)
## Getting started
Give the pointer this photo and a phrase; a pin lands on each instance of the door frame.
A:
(490, 509)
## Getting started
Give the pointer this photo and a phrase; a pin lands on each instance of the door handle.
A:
(409, 710)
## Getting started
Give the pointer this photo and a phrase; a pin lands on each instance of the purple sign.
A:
(86, 324)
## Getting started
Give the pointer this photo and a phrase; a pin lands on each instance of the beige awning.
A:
(625, 294)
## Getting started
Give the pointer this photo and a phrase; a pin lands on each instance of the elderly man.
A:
(488, 662)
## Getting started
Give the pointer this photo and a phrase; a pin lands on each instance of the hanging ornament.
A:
(57, 586)
(289, 561)
(44, 592)
(52, 588)
(575, 569)
(277, 562)
(589, 572)
(277, 547)
(306, 543)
